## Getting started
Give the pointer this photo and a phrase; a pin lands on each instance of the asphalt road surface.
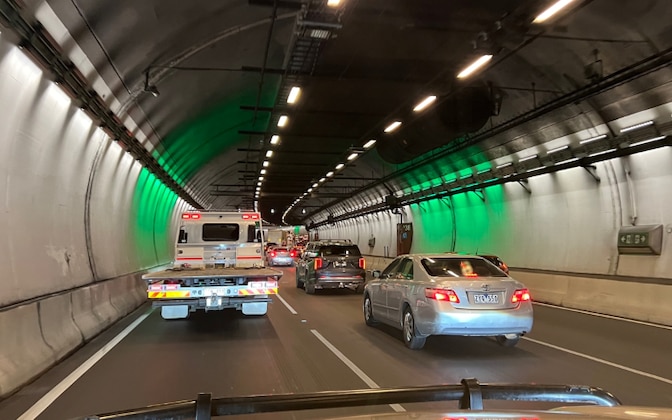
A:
(325, 345)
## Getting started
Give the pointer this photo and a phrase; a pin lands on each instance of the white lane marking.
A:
(618, 318)
(353, 367)
(287, 305)
(59, 389)
(598, 360)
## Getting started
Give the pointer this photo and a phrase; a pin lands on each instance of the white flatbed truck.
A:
(219, 264)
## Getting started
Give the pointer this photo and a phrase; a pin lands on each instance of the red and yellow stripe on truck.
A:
(174, 291)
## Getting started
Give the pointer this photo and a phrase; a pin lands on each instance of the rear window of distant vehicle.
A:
(460, 267)
(279, 249)
(340, 250)
(223, 232)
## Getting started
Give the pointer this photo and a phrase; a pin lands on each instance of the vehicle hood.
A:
(566, 413)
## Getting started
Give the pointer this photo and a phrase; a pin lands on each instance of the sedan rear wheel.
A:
(509, 340)
(410, 334)
(309, 288)
(368, 312)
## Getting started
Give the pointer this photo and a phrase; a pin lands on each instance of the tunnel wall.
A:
(562, 236)
(81, 221)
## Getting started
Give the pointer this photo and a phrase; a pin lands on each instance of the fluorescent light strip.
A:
(567, 161)
(263, 172)
(282, 121)
(275, 139)
(392, 126)
(369, 143)
(592, 139)
(483, 171)
(333, 3)
(340, 166)
(504, 165)
(265, 164)
(636, 126)
(261, 178)
(322, 179)
(474, 66)
(330, 174)
(425, 103)
(353, 156)
(548, 13)
(451, 180)
(315, 185)
(293, 94)
(557, 149)
(269, 153)
(309, 190)
(528, 158)
(602, 153)
(647, 141)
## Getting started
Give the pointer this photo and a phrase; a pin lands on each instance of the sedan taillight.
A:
(318, 263)
(292, 254)
(273, 254)
(521, 295)
(442, 294)
(362, 263)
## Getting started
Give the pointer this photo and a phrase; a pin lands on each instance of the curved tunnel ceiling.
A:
(223, 72)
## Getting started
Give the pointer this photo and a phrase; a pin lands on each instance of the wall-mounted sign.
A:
(646, 239)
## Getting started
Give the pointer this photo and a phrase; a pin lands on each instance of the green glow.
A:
(152, 208)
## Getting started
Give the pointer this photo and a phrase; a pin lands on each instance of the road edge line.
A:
(287, 305)
(607, 316)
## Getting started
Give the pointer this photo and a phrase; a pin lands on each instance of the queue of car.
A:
(420, 294)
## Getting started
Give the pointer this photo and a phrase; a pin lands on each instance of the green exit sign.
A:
(646, 239)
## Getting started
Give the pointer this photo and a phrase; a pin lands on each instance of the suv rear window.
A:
(340, 251)
(460, 267)
(221, 232)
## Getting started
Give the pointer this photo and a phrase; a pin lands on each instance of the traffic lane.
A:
(225, 353)
(642, 347)
(380, 352)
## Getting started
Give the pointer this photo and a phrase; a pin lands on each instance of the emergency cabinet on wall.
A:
(646, 240)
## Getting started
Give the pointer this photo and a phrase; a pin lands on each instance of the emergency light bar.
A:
(191, 216)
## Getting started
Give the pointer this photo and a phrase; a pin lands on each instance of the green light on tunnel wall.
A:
(195, 143)
(152, 208)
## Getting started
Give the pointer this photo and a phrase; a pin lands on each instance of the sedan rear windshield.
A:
(460, 267)
(340, 251)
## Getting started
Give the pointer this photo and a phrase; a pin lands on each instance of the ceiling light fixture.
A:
(269, 153)
(272, 211)
(602, 153)
(353, 156)
(333, 3)
(339, 166)
(265, 164)
(392, 126)
(425, 103)
(557, 149)
(647, 141)
(309, 190)
(574, 159)
(369, 144)
(330, 174)
(263, 172)
(275, 139)
(282, 121)
(471, 68)
(315, 185)
(504, 165)
(258, 184)
(322, 179)
(527, 158)
(592, 139)
(548, 13)
(261, 178)
(294, 93)
(636, 126)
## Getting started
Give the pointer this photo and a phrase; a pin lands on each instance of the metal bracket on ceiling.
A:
(592, 170)
(525, 184)
(479, 193)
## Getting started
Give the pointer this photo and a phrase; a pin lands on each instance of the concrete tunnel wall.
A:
(560, 239)
(81, 221)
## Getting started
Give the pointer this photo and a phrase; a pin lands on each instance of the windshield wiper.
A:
(470, 394)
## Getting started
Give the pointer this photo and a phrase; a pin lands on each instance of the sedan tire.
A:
(309, 288)
(368, 312)
(410, 334)
(505, 341)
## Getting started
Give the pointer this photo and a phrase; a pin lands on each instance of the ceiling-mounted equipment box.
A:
(647, 240)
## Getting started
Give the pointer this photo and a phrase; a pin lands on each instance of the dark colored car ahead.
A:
(331, 265)
(497, 262)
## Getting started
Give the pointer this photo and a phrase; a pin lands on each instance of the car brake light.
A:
(521, 295)
(250, 216)
(192, 216)
(362, 263)
(273, 254)
(292, 254)
(318, 263)
(442, 294)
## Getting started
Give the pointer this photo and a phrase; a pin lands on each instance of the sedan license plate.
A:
(486, 298)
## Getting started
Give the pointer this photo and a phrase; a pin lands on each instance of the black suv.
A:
(335, 264)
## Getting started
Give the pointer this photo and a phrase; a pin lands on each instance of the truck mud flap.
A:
(174, 312)
(255, 308)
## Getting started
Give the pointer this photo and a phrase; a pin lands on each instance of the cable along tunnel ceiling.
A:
(223, 72)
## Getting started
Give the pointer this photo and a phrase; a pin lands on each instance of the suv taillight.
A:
(362, 263)
(292, 253)
(442, 294)
(521, 295)
(318, 263)
(273, 254)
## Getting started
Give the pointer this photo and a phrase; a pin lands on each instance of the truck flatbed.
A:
(197, 273)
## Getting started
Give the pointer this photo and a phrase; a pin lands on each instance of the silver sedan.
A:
(448, 294)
